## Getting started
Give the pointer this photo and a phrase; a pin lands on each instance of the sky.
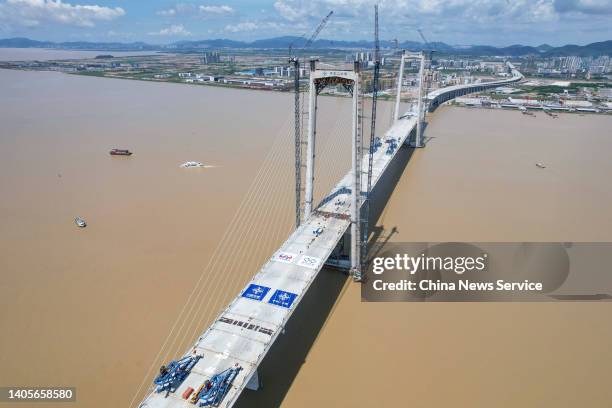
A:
(456, 22)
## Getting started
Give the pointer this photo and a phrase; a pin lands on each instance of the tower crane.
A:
(295, 60)
(429, 53)
(318, 30)
(429, 48)
(366, 204)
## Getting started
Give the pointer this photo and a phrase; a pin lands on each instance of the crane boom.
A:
(429, 50)
(318, 30)
(376, 42)
(423, 38)
(298, 140)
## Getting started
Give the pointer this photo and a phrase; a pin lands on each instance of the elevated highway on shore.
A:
(441, 95)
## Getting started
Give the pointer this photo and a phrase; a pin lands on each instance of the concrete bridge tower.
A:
(420, 111)
(349, 79)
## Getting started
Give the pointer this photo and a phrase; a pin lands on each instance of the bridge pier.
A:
(254, 383)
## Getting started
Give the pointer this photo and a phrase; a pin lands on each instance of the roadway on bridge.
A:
(244, 332)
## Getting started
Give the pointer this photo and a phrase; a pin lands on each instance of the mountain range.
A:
(545, 50)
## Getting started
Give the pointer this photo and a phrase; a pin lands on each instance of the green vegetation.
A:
(572, 88)
(498, 97)
(545, 89)
(576, 85)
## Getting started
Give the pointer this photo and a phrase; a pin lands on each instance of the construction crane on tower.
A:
(429, 58)
(429, 49)
(366, 203)
(295, 60)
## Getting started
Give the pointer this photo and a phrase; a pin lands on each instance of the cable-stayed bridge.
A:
(224, 359)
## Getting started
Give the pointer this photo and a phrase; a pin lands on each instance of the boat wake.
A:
(191, 164)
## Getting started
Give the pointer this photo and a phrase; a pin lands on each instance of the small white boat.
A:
(192, 164)
(80, 222)
(541, 165)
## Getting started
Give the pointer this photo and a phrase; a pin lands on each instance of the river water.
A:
(93, 308)
(476, 181)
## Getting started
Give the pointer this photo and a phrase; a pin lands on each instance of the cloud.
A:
(32, 13)
(216, 9)
(480, 20)
(584, 6)
(243, 26)
(468, 10)
(166, 13)
(249, 26)
(445, 11)
(188, 8)
(173, 30)
(180, 8)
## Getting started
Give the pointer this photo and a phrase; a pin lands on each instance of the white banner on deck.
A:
(310, 262)
(285, 257)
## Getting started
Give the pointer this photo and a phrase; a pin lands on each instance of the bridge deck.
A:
(247, 328)
(244, 332)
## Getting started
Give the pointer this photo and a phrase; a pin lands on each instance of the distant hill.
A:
(75, 45)
(25, 43)
(544, 47)
(593, 49)
(218, 43)
(114, 46)
(590, 50)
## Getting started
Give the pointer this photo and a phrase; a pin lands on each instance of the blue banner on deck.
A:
(255, 292)
(282, 298)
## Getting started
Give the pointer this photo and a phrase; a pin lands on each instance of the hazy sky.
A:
(494, 22)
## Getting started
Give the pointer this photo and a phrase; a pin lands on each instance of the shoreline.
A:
(208, 83)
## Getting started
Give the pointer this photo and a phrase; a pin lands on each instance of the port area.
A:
(529, 106)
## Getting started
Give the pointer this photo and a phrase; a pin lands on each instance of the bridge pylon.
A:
(349, 79)
(418, 139)
(400, 80)
(421, 94)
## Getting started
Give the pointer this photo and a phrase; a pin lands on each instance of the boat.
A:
(120, 152)
(80, 222)
(192, 164)
(552, 115)
(541, 165)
